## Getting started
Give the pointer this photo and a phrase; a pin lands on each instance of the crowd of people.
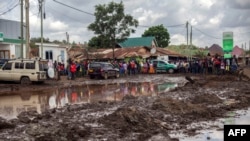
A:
(209, 65)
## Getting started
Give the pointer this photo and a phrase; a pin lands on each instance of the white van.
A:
(24, 71)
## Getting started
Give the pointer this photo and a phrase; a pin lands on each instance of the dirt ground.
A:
(132, 119)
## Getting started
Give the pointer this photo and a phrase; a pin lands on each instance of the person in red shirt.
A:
(73, 70)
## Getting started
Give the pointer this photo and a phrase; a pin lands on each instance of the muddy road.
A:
(143, 117)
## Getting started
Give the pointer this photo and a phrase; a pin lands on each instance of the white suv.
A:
(24, 71)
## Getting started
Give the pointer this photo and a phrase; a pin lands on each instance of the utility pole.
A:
(68, 46)
(191, 43)
(27, 6)
(41, 12)
(187, 34)
(21, 28)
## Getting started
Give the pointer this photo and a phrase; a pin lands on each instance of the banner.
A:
(227, 42)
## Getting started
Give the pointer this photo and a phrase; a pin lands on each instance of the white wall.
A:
(12, 50)
(165, 58)
(56, 52)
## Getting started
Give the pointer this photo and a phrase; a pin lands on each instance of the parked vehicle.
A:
(163, 66)
(102, 69)
(24, 71)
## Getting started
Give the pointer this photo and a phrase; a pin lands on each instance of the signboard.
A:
(1, 36)
(227, 55)
(228, 42)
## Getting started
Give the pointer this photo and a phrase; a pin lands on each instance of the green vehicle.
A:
(163, 66)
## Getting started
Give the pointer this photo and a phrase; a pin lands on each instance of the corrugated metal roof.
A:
(121, 53)
(237, 51)
(138, 41)
(215, 49)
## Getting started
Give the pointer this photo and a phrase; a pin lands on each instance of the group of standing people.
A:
(209, 65)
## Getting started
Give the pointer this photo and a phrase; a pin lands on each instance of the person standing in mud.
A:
(125, 67)
(133, 66)
(234, 63)
(73, 70)
(217, 65)
(68, 69)
(148, 64)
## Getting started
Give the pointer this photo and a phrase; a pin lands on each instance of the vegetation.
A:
(45, 40)
(160, 33)
(193, 51)
(111, 25)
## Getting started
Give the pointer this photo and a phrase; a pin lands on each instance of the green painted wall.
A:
(14, 41)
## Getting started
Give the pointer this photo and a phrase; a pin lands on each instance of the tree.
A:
(112, 24)
(160, 33)
(99, 42)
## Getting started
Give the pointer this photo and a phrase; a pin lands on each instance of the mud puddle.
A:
(12, 105)
(213, 131)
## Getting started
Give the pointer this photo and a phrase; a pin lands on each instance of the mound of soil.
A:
(143, 118)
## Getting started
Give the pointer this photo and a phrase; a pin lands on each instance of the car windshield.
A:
(94, 65)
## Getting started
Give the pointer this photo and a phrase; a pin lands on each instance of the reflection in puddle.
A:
(95, 93)
(12, 105)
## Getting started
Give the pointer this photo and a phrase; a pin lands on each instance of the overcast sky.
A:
(209, 19)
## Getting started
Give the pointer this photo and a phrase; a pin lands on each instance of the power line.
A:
(74, 8)
(9, 9)
(94, 15)
(60, 13)
(206, 33)
(7, 5)
(178, 25)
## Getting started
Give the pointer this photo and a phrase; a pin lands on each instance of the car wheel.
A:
(171, 71)
(25, 81)
(106, 76)
(117, 75)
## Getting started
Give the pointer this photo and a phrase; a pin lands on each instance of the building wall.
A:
(11, 44)
(58, 52)
(11, 29)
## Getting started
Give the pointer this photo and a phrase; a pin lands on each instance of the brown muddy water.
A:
(12, 105)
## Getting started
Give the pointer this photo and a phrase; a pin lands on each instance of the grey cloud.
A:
(240, 4)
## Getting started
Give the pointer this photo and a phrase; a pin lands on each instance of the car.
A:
(24, 71)
(103, 70)
(163, 66)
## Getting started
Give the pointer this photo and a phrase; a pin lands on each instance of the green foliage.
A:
(111, 25)
(99, 42)
(160, 33)
(38, 40)
(189, 51)
(200, 54)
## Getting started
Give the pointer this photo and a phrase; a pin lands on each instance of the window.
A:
(155, 64)
(162, 63)
(7, 66)
(49, 55)
(62, 56)
(30, 66)
(43, 66)
(19, 65)
(4, 54)
(109, 66)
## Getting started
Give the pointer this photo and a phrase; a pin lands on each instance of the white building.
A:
(10, 43)
(53, 52)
